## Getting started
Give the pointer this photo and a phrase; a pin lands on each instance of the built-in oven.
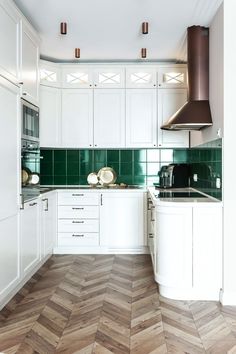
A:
(30, 121)
(30, 170)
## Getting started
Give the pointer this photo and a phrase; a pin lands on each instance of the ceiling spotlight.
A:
(63, 28)
(145, 28)
(144, 53)
(77, 53)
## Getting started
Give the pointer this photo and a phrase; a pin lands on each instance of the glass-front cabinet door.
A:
(141, 77)
(76, 76)
(50, 74)
(109, 77)
(172, 77)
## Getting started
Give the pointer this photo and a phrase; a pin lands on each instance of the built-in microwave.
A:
(30, 121)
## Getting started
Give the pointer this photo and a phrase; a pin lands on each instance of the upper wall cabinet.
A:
(50, 74)
(30, 65)
(9, 42)
(172, 77)
(141, 77)
(141, 118)
(82, 76)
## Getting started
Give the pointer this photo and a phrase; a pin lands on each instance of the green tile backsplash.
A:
(139, 166)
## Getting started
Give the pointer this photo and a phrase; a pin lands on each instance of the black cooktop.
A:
(174, 194)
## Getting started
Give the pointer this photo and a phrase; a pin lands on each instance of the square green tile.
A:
(140, 169)
(126, 155)
(153, 168)
(86, 155)
(140, 155)
(60, 180)
(139, 180)
(73, 156)
(100, 156)
(113, 156)
(73, 180)
(86, 168)
(180, 156)
(59, 168)
(47, 156)
(83, 180)
(46, 168)
(115, 166)
(126, 168)
(98, 166)
(72, 168)
(125, 179)
(46, 180)
(60, 156)
(167, 155)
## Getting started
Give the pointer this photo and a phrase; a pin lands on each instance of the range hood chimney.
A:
(195, 114)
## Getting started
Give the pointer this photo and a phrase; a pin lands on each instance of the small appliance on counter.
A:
(174, 176)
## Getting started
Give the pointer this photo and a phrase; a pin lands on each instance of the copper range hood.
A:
(195, 114)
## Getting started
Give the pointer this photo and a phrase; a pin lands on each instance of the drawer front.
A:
(78, 225)
(78, 239)
(78, 198)
(78, 212)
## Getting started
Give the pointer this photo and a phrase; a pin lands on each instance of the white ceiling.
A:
(111, 29)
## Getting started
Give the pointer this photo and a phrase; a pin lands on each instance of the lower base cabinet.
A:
(30, 237)
(122, 220)
(189, 251)
(9, 256)
(48, 223)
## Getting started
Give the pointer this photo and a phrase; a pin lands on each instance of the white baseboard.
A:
(99, 250)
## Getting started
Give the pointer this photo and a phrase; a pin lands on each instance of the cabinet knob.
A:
(154, 85)
(24, 93)
(95, 85)
(159, 85)
(90, 85)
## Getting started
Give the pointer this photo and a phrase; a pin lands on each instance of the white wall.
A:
(216, 82)
(229, 144)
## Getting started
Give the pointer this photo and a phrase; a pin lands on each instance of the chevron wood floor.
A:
(109, 304)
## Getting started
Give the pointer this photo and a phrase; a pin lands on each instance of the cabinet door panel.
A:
(50, 116)
(9, 43)
(30, 242)
(9, 148)
(77, 118)
(122, 220)
(30, 66)
(174, 246)
(141, 118)
(48, 223)
(109, 118)
(169, 101)
(9, 255)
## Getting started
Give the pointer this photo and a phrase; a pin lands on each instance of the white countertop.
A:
(182, 200)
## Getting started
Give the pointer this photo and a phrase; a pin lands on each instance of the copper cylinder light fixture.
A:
(145, 28)
(63, 28)
(77, 53)
(144, 53)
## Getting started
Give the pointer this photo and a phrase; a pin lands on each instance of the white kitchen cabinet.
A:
(30, 65)
(9, 42)
(48, 223)
(50, 116)
(174, 247)
(141, 77)
(109, 77)
(29, 237)
(50, 74)
(169, 101)
(207, 251)
(123, 220)
(9, 148)
(109, 118)
(151, 230)
(141, 118)
(172, 76)
(9, 256)
(77, 118)
(76, 76)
